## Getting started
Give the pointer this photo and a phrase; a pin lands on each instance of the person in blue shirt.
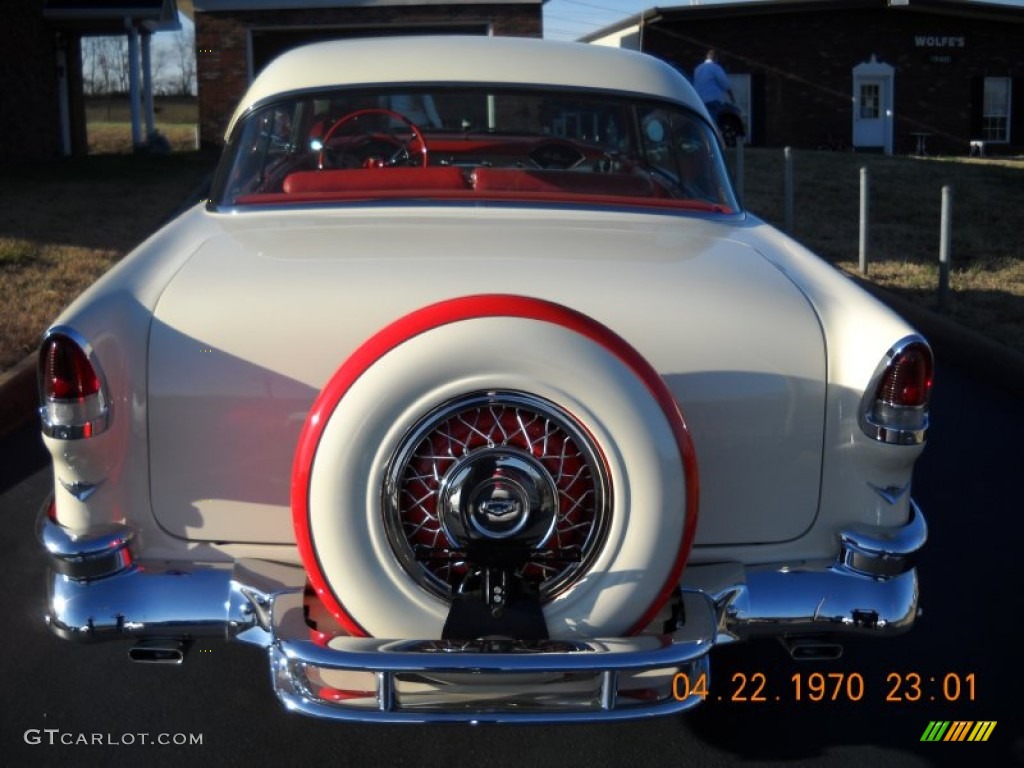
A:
(712, 83)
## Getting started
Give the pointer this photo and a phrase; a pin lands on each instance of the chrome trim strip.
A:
(88, 419)
(80, 489)
(892, 493)
(609, 687)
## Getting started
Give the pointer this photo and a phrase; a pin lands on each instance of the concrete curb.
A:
(18, 395)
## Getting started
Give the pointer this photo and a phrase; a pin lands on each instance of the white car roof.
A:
(466, 59)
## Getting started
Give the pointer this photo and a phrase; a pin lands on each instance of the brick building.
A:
(235, 39)
(29, 127)
(42, 107)
(885, 75)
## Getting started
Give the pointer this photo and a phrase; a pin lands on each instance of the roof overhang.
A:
(740, 10)
(112, 17)
(215, 6)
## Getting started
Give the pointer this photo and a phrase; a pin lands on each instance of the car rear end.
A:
(364, 427)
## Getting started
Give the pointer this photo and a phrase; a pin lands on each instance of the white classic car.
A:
(424, 398)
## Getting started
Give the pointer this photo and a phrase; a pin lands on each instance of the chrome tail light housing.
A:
(74, 403)
(895, 406)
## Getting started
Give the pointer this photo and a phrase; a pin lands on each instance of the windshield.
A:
(474, 143)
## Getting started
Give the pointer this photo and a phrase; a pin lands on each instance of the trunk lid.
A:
(255, 323)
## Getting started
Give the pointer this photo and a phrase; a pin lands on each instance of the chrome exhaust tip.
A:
(158, 651)
(812, 648)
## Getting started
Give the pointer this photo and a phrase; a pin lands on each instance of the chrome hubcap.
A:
(500, 494)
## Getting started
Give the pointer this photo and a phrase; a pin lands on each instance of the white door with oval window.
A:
(873, 112)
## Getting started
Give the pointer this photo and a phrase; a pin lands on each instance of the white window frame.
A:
(741, 86)
(995, 117)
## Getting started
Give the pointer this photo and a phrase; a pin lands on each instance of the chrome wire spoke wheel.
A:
(497, 469)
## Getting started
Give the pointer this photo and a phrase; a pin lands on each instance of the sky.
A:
(571, 19)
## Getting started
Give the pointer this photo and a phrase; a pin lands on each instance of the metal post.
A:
(739, 167)
(787, 188)
(944, 243)
(862, 251)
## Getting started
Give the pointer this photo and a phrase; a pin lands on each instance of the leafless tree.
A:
(105, 64)
(184, 53)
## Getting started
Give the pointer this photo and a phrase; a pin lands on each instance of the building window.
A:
(995, 113)
(870, 101)
(740, 86)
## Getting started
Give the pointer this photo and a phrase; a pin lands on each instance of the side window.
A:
(656, 139)
(679, 148)
(267, 140)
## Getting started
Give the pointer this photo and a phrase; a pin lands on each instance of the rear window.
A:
(473, 143)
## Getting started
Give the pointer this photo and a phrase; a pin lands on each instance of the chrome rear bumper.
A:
(97, 591)
(547, 681)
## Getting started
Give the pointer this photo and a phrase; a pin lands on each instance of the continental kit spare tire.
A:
(493, 418)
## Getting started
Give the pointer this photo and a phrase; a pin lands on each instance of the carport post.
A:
(862, 250)
(133, 82)
(147, 85)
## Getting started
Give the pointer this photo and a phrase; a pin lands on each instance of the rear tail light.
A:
(896, 402)
(74, 404)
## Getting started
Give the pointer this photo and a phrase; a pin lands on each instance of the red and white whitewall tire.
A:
(478, 344)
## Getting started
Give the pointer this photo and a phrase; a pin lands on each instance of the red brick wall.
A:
(801, 65)
(222, 55)
(29, 118)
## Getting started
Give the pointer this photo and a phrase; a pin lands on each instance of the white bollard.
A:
(739, 168)
(945, 241)
(787, 188)
(862, 250)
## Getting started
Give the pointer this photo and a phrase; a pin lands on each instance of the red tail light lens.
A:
(908, 380)
(74, 404)
(895, 405)
(65, 372)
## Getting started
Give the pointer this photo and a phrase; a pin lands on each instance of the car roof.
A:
(465, 59)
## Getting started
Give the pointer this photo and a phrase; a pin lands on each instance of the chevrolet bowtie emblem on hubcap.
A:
(498, 493)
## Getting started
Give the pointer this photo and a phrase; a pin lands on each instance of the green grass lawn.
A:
(116, 138)
(987, 274)
(63, 224)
